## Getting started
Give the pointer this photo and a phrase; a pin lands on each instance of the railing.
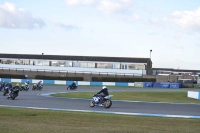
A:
(73, 72)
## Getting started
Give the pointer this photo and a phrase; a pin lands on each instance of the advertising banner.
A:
(175, 85)
(156, 85)
(138, 84)
(148, 84)
(164, 85)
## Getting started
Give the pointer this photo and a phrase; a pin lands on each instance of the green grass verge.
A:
(138, 96)
(15, 120)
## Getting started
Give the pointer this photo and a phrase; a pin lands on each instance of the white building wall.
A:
(73, 69)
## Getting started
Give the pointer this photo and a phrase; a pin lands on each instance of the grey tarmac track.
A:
(34, 99)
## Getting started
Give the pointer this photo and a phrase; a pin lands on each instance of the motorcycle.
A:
(98, 100)
(37, 88)
(5, 91)
(1, 88)
(72, 87)
(13, 94)
(24, 87)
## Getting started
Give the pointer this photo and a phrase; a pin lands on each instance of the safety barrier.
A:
(92, 83)
(162, 85)
(194, 94)
(62, 82)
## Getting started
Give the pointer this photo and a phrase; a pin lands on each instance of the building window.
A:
(76, 64)
(26, 62)
(83, 64)
(32, 62)
(124, 66)
(19, 62)
(105, 65)
(4, 61)
(140, 67)
(45, 63)
(131, 66)
(91, 65)
(54, 63)
(69, 63)
(116, 66)
(62, 63)
(38, 63)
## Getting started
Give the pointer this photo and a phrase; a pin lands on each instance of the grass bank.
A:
(15, 120)
(138, 96)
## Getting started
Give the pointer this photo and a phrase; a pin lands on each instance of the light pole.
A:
(150, 53)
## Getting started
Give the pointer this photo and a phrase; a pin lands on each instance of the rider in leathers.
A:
(104, 90)
(16, 87)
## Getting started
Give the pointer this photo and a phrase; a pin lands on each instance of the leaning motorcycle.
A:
(1, 88)
(24, 87)
(72, 87)
(37, 88)
(13, 94)
(5, 91)
(97, 100)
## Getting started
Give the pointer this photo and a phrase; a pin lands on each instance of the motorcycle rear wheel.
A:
(107, 103)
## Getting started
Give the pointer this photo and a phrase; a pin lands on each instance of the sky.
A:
(113, 28)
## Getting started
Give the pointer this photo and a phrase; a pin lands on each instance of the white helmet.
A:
(103, 87)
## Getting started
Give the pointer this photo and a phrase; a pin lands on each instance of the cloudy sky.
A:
(119, 28)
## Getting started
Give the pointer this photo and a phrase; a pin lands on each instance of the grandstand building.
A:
(123, 65)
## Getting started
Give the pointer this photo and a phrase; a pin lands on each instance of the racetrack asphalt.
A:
(41, 99)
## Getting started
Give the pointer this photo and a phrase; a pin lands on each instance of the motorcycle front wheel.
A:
(68, 88)
(92, 104)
